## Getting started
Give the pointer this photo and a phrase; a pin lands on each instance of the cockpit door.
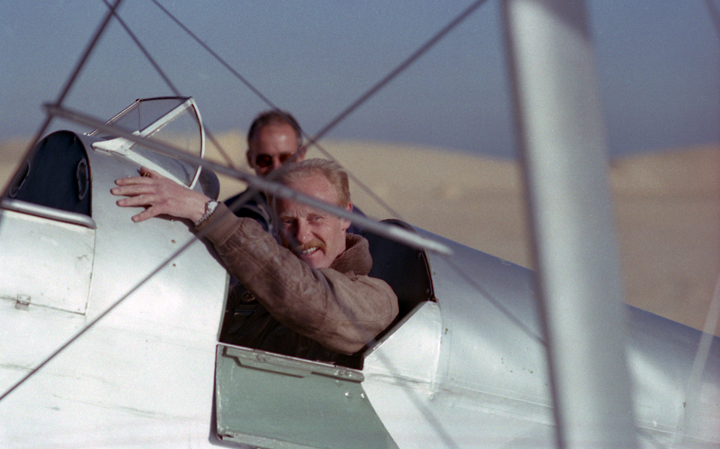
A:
(273, 401)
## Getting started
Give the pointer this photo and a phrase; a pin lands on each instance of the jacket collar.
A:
(356, 258)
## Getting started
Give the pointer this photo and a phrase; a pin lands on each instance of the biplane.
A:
(110, 329)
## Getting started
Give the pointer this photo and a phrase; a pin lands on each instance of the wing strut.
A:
(559, 118)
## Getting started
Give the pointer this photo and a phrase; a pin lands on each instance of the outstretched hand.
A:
(159, 196)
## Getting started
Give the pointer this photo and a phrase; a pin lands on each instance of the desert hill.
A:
(667, 207)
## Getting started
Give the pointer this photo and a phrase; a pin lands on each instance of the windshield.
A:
(173, 121)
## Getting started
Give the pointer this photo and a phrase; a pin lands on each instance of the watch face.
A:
(210, 207)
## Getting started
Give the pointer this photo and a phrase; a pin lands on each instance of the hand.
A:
(160, 196)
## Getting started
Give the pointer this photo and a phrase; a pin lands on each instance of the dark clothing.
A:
(256, 207)
(283, 305)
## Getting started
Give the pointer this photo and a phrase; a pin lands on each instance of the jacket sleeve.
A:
(341, 311)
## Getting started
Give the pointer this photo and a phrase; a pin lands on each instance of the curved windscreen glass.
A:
(172, 121)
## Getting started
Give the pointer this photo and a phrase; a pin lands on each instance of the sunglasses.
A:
(265, 160)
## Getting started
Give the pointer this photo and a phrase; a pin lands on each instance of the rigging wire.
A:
(702, 354)
(314, 140)
(145, 52)
(703, 348)
(357, 103)
(76, 72)
(392, 75)
(112, 12)
(170, 84)
(273, 106)
(216, 56)
(342, 115)
(399, 69)
(497, 304)
(95, 320)
(319, 135)
(411, 239)
(427, 414)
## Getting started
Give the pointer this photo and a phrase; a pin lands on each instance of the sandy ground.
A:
(667, 207)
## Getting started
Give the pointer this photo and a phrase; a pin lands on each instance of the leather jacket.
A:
(300, 311)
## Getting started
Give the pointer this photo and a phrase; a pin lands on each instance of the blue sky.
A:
(658, 62)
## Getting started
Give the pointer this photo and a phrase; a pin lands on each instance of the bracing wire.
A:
(112, 12)
(66, 89)
(340, 117)
(383, 82)
(272, 105)
(95, 320)
(76, 72)
(357, 103)
(145, 52)
(702, 353)
(424, 48)
(326, 129)
(167, 80)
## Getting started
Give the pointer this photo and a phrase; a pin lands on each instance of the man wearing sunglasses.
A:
(274, 137)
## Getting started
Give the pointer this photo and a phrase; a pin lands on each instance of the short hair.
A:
(274, 117)
(333, 172)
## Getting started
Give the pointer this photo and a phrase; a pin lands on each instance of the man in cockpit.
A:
(274, 137)
(308, 296)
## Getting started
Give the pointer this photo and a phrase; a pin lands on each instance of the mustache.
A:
(307, 245)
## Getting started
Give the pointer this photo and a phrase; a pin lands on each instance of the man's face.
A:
(315, 236)
(273, 145)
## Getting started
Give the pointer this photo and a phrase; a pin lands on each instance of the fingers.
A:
(146, 214)
(135, 200)
(147, 190)
(160, 196)
(146, 172)
(149, 182)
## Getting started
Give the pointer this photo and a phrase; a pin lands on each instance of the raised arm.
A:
(160, 196)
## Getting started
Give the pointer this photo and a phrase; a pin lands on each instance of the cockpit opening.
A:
(404, 269)
(56, 176)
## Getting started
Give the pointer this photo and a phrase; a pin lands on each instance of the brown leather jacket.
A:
(300, 311)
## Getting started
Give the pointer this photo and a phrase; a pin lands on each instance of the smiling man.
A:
(316, 237)
(309, 296)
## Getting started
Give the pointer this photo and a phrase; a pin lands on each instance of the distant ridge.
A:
(667, 208)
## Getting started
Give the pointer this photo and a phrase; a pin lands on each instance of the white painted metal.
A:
(565, 161)
(143, 376)
(470, 371)
(467, 371)
(46, 252)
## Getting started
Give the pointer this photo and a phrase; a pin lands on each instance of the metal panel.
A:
(48, 262)
(275, 401)
(144, 375)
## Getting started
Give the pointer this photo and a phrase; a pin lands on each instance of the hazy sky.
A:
(659, 67)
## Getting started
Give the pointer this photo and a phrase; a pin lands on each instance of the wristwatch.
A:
(210, 207)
